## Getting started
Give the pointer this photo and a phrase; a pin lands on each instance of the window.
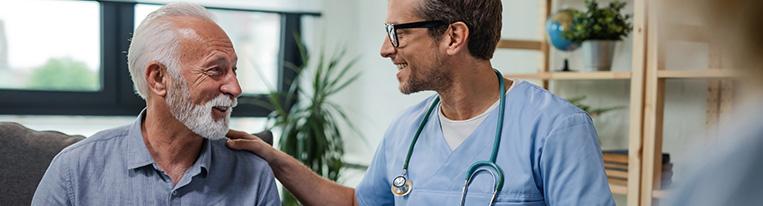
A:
(41, 53)
(82, 55)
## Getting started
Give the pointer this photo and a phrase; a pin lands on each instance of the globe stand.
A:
(566, 65)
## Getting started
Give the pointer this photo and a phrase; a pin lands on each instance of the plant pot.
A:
(598, 55)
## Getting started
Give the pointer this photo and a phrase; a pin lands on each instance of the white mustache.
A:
(222, 101)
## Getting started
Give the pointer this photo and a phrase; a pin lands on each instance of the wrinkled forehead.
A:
(403, 11)
(199, 37)
(199, 28)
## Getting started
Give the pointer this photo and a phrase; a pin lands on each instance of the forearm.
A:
(307, 186)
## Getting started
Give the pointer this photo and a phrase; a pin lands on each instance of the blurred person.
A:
(184, 66)
(517, 143)
(732, 174)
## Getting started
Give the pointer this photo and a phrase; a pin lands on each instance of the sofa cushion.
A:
(24, 156)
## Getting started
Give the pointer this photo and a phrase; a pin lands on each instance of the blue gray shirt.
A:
(114, 167)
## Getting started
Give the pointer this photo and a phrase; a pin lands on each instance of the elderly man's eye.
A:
(214, 71)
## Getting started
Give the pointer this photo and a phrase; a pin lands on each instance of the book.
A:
(617, 174)
(621, 156)
(616, 156)
(615, 166)
(617, 181)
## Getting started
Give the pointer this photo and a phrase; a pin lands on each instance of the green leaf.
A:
(310, 128)
(606, 23)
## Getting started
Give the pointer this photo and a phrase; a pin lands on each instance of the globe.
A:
(556, 25)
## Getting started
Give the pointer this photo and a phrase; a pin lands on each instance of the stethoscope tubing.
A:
(477, 167)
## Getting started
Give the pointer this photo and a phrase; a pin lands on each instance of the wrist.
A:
(271, 155)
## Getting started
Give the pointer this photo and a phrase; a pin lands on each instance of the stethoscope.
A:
(402, 186)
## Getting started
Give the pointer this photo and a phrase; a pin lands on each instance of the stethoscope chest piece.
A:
(401, 186)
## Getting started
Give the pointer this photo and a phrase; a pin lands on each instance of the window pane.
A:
(256, 38)
(46, 46)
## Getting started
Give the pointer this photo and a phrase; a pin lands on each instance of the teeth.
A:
(221, 108)
(401, 66)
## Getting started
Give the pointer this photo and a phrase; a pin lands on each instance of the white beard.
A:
(198, 118)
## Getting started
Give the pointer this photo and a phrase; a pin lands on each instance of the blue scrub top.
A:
(549, 154)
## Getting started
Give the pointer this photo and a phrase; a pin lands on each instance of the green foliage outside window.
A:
(63, 74)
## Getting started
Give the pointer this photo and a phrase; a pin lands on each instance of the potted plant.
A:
(310, 127)
(599, 29)
(592, 111)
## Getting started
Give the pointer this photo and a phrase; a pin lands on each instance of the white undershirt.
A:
(456, 131)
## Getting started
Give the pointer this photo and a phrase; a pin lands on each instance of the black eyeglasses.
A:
(392, 28)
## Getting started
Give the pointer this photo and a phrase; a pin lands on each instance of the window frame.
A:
(116, 96)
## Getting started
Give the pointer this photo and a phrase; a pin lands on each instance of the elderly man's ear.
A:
(157, 78)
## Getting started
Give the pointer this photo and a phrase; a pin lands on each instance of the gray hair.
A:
(156, 40)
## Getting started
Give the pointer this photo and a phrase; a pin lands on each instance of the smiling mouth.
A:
(221, 108)
(401, 66)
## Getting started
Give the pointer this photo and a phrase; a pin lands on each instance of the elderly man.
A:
(534, 148)
(183, 64)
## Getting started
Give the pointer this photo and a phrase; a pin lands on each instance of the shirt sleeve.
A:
(268, 186)
(374, 189)
(571, 164)
(55, 187)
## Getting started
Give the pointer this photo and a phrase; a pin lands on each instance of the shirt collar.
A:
(138, 155)
(203, 163)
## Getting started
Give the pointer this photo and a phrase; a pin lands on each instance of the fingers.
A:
(235, 134)
(239, 144)
(255, 146)
(240, 140)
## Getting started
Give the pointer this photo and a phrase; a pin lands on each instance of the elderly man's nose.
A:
(231, 86)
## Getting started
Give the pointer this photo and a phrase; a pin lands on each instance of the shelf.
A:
(659, 194)
(571, 75)
(618, 189)
(520, 44)
(695, 74)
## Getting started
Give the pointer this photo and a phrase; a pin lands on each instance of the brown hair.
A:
(482, 17)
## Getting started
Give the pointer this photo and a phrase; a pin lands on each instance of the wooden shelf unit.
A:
(695, 74)
(636, 76)
(520, 44)
(647, 77)
(571, 75)
(659, 194)
(618, 189)
(718, 99)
